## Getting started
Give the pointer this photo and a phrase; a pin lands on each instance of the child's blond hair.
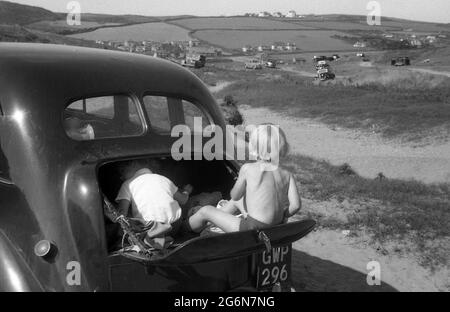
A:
(268, 142)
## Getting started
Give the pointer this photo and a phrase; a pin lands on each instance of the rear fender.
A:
(15, 274)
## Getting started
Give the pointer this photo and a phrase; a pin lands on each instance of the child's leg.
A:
(223, 220)
(232, 206)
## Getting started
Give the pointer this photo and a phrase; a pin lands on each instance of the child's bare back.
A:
(266, 192)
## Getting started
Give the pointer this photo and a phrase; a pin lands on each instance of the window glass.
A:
(192, 111)
(158, 113)
(166, 112)
(103, 117)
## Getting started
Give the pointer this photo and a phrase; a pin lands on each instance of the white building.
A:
(360, 44)
(264, 14)
(291, 14)
(431, 39)
(416, 43)
(263, 48)
(246, 49)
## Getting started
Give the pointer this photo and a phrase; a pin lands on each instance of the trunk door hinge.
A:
(265, 239)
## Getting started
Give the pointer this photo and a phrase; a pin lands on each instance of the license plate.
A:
(274, 266)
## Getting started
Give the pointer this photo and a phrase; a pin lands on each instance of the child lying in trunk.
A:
(154, 199)
(265, 194)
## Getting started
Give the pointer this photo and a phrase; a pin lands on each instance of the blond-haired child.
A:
(264, 193)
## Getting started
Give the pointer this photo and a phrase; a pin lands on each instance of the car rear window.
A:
(100, 117)
(166, 112)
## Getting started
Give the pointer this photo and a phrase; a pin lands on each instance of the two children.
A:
(265, 194)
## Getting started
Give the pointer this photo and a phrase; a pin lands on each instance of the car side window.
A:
(158, 113)
(103, 117)
(191, 111)
(166, 112)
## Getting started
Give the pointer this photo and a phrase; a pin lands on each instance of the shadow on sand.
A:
(311, 273)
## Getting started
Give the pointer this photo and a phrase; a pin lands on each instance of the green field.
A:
(235, 23)
(360, 23)
(306, 40)
(14, 33)
(149, 31)
(61, 26)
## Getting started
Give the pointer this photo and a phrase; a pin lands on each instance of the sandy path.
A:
(430, 71)
(220, 85)
(327, 260)
(367, 154)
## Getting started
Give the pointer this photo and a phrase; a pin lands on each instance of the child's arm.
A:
(238, 190)
(123, 206)
(295, 203)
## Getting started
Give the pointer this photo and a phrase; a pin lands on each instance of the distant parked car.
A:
(271, 64)
(253, 64)
(401, 61)
(336, 56)
(360, 54)
(319, 58)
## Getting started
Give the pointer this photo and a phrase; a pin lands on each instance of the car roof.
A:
(46, 74)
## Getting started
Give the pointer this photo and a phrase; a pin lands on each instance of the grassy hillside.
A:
(89, 22)
(406, 105)
(13, 13)
(16, 33)
(412, 216)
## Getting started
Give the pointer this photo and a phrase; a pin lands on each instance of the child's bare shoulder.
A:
(249, 168)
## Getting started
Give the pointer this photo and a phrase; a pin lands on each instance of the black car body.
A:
(52, 186)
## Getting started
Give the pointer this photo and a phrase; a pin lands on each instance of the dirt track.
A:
(328, 260)
(430, 71)
(367, 154)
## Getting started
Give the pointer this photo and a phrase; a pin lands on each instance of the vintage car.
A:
(253, 64)
(68, 117)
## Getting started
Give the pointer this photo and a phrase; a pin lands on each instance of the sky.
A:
(421, 10)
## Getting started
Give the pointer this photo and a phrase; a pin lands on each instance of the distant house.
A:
(416, 43)
(140, 49)
(431, 39)
(360, 44)
(263, 48)
(278, 46)
(206, 51)
(193, 43)
(247, 49)
(161, 54)
(264, 14)
(291, 14)
(290, 46)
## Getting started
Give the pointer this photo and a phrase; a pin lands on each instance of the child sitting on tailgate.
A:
(264, 193)
(154, 199)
